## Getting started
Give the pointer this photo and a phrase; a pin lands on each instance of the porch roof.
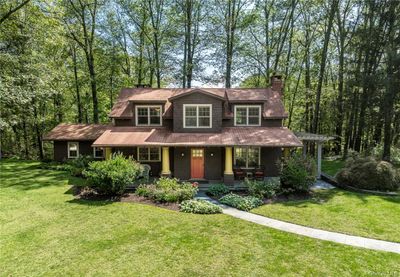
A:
(246, 136)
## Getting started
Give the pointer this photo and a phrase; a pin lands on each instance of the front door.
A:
(197, 163)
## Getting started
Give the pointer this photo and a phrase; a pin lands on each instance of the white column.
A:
(319, 159)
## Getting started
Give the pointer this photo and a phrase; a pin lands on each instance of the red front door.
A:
(197, 163)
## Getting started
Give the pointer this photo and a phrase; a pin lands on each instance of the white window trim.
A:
(148, 154)
(77, 149)
(148, 115)
(94, 153)
(197, 116)
(247, 117)
(247, 156)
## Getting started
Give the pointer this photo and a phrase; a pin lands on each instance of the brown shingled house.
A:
(196, 133)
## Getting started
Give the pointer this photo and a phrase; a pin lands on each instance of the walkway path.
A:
(307, 231)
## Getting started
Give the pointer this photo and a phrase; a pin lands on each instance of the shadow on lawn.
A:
(322, 197)
(92, 202)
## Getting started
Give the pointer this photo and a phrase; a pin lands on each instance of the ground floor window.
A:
(73, 150)
(98, 152)
(149, 154)
(247, 156)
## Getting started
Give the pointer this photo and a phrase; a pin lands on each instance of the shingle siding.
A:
(197, 98)
(61, 149)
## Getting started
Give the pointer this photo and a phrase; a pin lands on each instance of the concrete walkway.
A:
(307, 231)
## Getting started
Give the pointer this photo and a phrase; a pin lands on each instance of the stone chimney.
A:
(277, 83)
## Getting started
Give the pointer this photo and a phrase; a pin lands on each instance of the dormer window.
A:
(148, 115)
(249, 115)
(197, 116)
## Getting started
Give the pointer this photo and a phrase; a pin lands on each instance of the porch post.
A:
(108, 153)
(228, 172)
(319, 158)
(165, 162)
(304, 149)
(286, 152)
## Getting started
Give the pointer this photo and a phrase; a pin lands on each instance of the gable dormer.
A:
(198, 110)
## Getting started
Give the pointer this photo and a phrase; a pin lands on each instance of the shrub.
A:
(377, 152)
(368, 173)
(217, 190)
(112, 176)
(78, 165)
(199, 207)
(298, 173)
(261, 189)
(168, 190)
(245, 203)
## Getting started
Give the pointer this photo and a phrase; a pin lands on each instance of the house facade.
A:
(192, 134)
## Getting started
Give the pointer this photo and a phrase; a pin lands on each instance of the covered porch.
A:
(227, 156)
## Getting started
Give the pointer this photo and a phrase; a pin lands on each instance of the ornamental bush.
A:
(261, 189)
(78, 165)
(298, 173)
(369, 173)
(112, 176)
(217, 190)
(199, 207)
(245, 203)
(168, 190)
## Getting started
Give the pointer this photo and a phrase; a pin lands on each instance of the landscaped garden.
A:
(46, 230)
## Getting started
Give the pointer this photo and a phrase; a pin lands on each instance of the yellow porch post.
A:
(286, 152)
(165, 161)
(108, 153)
(228, 160)
(228, 172)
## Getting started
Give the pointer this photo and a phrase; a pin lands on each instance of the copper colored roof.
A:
(76, 132)
(250, 136)
(273, 106)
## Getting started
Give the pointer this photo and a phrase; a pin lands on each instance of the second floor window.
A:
(148, 115)
(197, 116)
(247, 115)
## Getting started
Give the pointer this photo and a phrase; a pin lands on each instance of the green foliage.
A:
(167, 190)
(298, 173)
(112, 176)
(261, 189)
(199, 207)
(78, 165)
(369, 173)
(377, 152)
(217, 190)
(245, 203)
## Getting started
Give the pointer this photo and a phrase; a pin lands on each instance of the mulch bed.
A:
(127, 197)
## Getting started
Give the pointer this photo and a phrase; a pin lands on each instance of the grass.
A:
(342, 211)
(331, 167)
(45, 231)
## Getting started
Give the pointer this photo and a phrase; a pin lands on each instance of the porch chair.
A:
(239, 173)
(259, 173)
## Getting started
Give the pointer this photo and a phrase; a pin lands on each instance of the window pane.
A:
(190, 111)
(143, 120)
(254, 120)
(253, 157)
(190, 122)
(155, 111)
(204, 111)
(73, 146)
(154, 154)
(73, 153)
(254, 111)
(143, 154)
(142, 111)
(98, 152)
(240, 156)
(241, 114)
(155, 120)
(204, 121)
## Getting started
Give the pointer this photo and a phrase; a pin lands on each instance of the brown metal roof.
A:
(250, 136)
(273, 106)
(76, 132)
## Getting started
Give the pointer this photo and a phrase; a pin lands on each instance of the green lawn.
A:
(44, 231)
(332, 167)
(342, 211)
